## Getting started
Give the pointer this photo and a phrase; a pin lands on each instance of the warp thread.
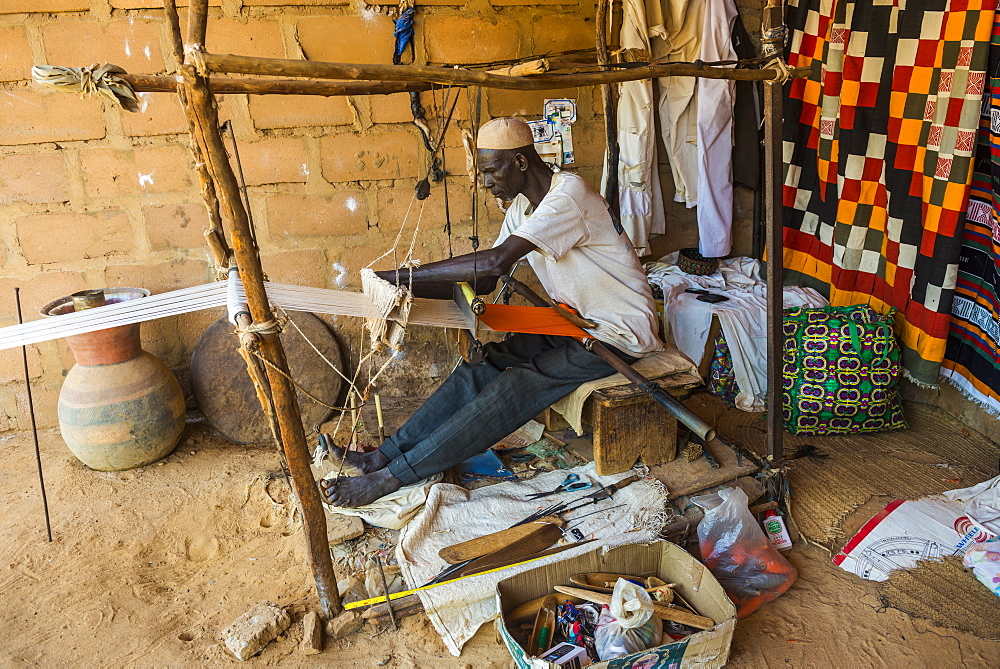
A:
(390, 301)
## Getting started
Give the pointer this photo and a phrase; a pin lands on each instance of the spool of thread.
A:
(543, 639)
(475, 302)
(88, 299)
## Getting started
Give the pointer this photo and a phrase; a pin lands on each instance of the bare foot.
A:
(358, 463)
(351, 492)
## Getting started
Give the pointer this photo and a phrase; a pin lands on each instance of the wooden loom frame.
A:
(196, 90)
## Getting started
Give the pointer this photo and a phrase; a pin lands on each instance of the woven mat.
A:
(935, 454)
(947, 594)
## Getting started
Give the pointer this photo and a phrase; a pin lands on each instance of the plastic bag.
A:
(628, 625)
(737, 552)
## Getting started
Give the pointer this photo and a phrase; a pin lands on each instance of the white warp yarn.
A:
(439, 313)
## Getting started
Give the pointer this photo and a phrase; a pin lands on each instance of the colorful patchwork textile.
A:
(878, 143)
(841, 371)
(972, 359)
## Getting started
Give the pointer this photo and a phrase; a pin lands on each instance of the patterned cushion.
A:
(841, 370)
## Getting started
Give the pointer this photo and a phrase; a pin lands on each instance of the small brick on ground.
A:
(340, 528)
(256, 628)
(346, 623)
(312, 634)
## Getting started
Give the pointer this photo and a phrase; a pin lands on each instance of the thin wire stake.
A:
(385, 591)
(34, 427)
(227, 127)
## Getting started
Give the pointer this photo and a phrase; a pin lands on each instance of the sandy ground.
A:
(148, 566)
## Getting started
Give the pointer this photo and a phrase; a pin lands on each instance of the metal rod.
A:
(665, 400)
(34, 426)
(774, 226)
(385, 591)
(227, 128)
(593, 513)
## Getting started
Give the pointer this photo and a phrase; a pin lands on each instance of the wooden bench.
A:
(627, 425)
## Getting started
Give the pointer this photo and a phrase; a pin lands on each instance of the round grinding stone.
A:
(226, 394)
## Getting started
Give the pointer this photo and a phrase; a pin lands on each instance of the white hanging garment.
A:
(715, 134)
(677, 37)
(638, 176)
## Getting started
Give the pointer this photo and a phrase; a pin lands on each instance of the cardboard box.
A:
(708, 648)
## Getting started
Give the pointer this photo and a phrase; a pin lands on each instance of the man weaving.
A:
(564, 228)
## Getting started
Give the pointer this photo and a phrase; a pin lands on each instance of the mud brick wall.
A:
(94, 196)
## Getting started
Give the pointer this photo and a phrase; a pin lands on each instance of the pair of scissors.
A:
(571, 483)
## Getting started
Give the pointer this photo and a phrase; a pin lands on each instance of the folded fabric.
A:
(982, 503)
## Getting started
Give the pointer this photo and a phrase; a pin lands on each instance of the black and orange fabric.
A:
(878, 143)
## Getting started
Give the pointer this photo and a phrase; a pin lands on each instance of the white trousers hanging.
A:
(638, 174)
(696, 115)
(715, 135)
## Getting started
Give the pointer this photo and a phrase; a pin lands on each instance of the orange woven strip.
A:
(533, 320)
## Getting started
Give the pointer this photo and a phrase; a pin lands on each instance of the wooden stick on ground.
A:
(204, 115)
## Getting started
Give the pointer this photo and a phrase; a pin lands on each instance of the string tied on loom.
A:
(95, 79)
(772, 48)
(195, 53)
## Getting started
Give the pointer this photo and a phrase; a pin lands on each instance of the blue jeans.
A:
(480, 404)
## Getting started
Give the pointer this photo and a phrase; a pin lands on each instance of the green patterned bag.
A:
(841, 371)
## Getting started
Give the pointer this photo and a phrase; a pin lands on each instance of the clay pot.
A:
(120, 407)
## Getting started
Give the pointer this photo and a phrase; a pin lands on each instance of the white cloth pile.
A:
(982, 503)
(453, 514)
(743, 317)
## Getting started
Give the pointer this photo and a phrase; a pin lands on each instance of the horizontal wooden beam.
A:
(152, 83)
(456, 76)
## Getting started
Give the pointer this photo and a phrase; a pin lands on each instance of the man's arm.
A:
(435, 279)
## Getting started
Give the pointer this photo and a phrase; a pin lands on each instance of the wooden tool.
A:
(527, 611)
(545, 626)
(511, 556)
(662, 611)
(381, 614)
(603, 582)
(660, 590)
(536, 535)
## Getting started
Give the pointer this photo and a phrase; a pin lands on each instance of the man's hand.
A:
(434, 280)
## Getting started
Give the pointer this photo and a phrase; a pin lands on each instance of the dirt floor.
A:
(148, 566)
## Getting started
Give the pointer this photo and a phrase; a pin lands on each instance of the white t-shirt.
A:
(582, 261)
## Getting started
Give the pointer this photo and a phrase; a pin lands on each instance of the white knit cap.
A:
(504, 133)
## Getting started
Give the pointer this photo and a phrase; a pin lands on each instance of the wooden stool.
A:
(628, 425)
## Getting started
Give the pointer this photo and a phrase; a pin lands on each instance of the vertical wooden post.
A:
(610, 112)
(202, 110)
(214, 235)
(774, 225)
